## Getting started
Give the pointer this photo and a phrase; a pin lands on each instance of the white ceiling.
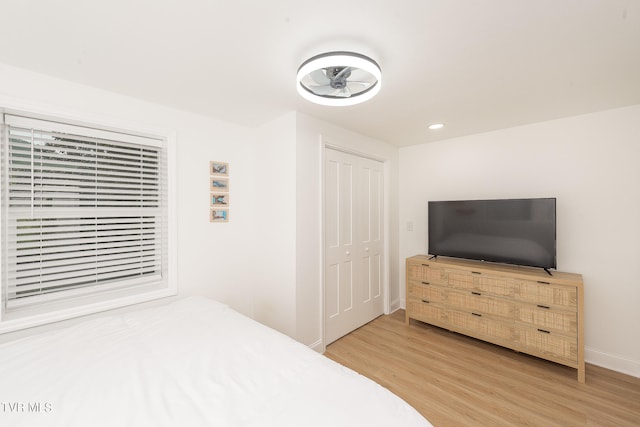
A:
(474, 65)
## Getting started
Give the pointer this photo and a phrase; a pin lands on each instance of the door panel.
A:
(331, 225)
(353, 242)
(376, 205)
(370, 243)
(345, 210)
(376, 274)
(365, 280)
(346, 287)
(332, 290)
(364, 220)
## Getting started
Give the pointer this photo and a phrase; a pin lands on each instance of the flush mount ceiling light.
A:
(339, 78)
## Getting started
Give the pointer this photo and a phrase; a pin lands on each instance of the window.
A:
(84, 218)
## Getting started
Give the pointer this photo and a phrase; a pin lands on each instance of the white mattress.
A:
(194, 362)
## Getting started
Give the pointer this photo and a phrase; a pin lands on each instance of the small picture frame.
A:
(219, 215)
(218, 168)
(219, 200)
(219, 184)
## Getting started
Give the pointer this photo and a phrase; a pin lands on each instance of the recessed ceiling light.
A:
(436, 126)
(339, 78)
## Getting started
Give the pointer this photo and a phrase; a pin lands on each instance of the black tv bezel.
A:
(499, 261)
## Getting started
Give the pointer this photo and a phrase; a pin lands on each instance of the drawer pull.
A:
(477, 314)
(425, 283)
(544, 331)
(425, 265)
(544, 283)
(476, 293)
(475, 272)
(543, 306)
(426, 301)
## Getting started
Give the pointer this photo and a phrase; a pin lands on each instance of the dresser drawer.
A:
(552, 345)
(478, 324)
(426, 312)
(547, 293)
(478, 303)
(549, 319)
(423, 272)
(486, 284)
(426, 292)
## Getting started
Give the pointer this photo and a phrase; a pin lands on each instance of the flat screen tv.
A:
(511, 231)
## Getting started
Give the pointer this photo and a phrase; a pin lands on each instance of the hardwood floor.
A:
(454, 380)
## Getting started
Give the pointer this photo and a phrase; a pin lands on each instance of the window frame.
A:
(17, 319)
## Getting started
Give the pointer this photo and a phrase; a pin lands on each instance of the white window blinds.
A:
(84, 211)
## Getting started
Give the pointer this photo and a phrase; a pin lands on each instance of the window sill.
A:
(31, 317)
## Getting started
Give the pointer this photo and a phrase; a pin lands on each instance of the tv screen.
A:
(512, 231)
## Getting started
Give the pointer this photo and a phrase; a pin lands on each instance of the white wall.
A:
(274, 290)
(214, 260)
(591, 164)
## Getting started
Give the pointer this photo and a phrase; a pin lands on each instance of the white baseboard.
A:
(395, 305)
(614, 362)
(317, 346)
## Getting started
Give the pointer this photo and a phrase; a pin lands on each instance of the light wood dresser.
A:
(521, 308)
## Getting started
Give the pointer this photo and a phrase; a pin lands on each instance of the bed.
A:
(194, 362)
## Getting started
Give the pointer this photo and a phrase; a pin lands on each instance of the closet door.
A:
(354, 241)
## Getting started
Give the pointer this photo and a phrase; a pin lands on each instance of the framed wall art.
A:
(219, 168)
(218, 184)
(219, 200)
(219, 215)
(218, 191)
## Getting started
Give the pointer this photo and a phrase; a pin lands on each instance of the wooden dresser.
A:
(521, 308)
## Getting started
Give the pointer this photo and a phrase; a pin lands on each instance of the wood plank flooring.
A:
(454, 380)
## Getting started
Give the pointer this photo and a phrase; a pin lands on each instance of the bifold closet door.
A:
(354, 242)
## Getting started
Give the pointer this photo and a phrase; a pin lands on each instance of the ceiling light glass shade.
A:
(339, 78)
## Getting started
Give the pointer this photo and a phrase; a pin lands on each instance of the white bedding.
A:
(194, 362)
